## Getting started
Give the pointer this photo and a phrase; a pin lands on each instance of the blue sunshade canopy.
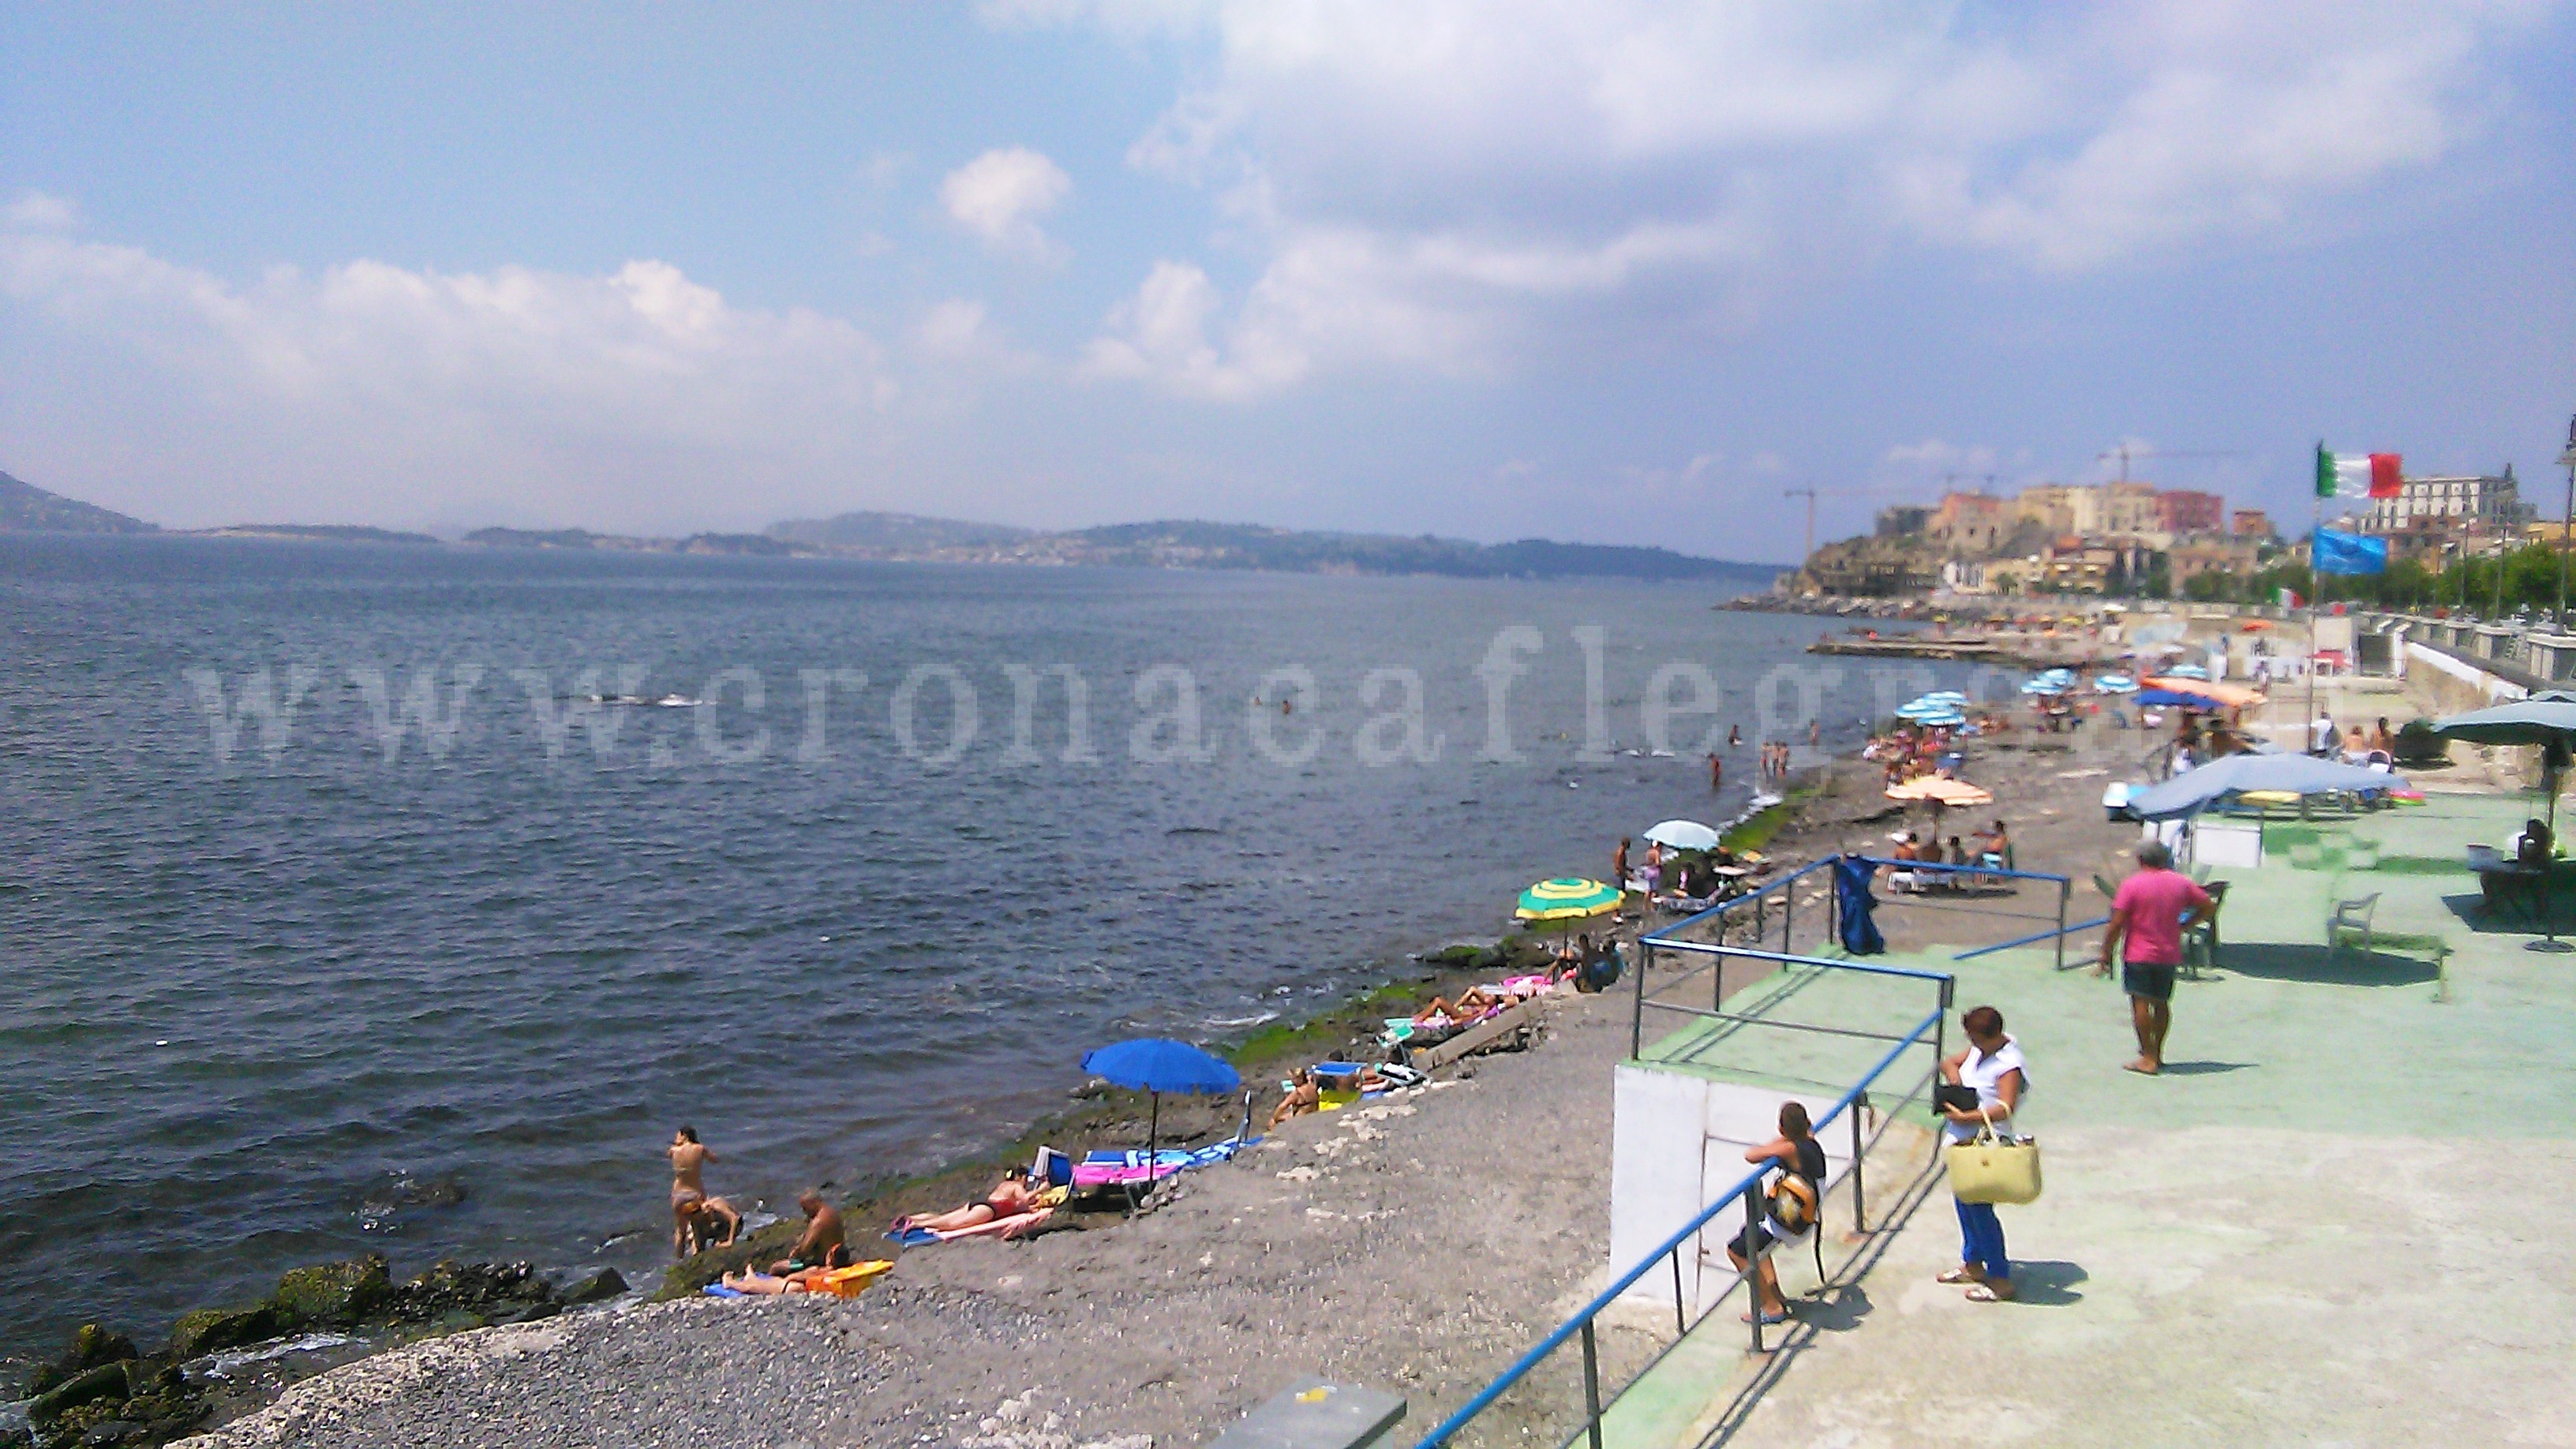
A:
(2193, 790)
(1157, 1064)
(2547, 716)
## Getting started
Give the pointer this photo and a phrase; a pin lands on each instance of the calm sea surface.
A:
(270, 996)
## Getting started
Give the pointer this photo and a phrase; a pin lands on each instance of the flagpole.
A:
(2316, 524)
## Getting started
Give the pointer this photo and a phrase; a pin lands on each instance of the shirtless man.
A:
(689, 1158)
(820, 1246)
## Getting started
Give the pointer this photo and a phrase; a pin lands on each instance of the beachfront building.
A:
(1971, 525)
(2234, 556)
(1902, 520)
(2250, 523)
(2186, 510)
(2484, 503)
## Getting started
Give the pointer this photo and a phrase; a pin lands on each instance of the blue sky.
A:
(1610, 272)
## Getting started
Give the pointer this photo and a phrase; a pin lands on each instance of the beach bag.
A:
(1990, 1169)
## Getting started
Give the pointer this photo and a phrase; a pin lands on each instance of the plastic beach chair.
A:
(2351, 918)
(2200, 943)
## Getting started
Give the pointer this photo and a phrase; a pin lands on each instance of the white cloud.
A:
(415, 395)
(37, 211)
(1440, 182)
(1000, 197)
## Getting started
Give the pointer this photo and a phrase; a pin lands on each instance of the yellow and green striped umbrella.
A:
(1567, 900)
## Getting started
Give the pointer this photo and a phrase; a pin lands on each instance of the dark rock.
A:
(599, 1287)
(1463, 954)
(106, 1381)
(114, 1431)
(91, 1346)
(13, 1436)
(208, 1329)
(480, 1289)
(336, 1295)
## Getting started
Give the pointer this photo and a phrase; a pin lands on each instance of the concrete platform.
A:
(2341, 1216)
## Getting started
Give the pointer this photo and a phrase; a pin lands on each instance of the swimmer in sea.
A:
(689, 1158)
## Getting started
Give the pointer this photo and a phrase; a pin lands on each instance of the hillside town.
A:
(2132, 538)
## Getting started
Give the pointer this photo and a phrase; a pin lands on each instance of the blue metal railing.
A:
(1743, 1191)
(2065, 888)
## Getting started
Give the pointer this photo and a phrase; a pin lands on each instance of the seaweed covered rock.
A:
(208, 1329)
(599, 1287)
(333, 1295)
(91, 1346)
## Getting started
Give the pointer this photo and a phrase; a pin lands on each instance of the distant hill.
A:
(895, 533)
(26, 508)
(1194, 543)
(317, 532)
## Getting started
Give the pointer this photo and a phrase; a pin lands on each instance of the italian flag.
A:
(2357, 475)
(2287, 598)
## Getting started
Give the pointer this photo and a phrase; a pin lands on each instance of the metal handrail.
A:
(2065, 888)
(1581, 1322)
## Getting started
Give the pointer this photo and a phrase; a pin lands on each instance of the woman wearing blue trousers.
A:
(1992, 1067)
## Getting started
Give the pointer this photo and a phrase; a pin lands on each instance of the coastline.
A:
(1389, 1243)
(236, 1372)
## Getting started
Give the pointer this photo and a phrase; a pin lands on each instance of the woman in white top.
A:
(1992, 1068)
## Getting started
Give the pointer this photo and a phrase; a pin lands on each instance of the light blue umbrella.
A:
(2193, 791)
(1683, 835)
(2186, 671)
(2116, 684)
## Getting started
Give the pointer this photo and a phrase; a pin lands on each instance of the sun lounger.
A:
(1120, 1169)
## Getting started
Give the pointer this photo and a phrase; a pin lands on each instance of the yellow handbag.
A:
(1990, 1169)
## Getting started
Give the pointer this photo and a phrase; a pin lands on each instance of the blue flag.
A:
(2349, 553)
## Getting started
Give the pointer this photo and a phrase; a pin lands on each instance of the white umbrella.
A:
(1683, 835)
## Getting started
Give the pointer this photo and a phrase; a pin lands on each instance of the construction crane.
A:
(2124, 452)
(1808, 493)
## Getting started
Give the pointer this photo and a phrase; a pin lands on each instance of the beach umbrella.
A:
(2195, 790)
(1156, 1065)
(1949, 720)
(1568, 899)
(2116, 684)
(1683, 835)
(2188, 671)
(1943, 790)
(2546, 719)
(1919, 710)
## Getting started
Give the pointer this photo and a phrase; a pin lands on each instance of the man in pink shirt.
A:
(2151, 911)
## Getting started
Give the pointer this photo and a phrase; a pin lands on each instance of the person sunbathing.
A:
(803, 1280)
(1010, 1197)
(1472, 1004)
(1303, 1096)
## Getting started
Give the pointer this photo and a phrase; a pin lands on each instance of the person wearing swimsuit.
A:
(1010, 1197)
(689, 1158)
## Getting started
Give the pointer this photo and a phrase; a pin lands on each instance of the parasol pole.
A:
(2316, 524)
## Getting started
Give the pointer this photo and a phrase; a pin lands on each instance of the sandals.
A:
(1984, 1293)
(1769, 1320)
(1960, 1275)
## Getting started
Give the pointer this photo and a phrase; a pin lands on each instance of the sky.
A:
(1602, 272)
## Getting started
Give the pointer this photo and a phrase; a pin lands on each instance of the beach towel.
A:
(1118, 1169)
(718, 1290)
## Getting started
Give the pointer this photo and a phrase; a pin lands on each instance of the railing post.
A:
(1591, 1384)
(1753, 1267)
(1788, 914)
(1860, 1201)
(1681, 1316)
(1637, 1009)
(1833, 902)
(2064, 887)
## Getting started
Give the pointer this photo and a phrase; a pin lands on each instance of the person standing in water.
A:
(689, 1158)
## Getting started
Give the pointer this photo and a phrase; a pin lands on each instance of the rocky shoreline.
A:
(104, 1390)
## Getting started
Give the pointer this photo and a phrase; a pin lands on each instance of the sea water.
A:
(342, 914)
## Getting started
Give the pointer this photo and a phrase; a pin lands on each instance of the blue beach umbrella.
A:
(1156, 1065)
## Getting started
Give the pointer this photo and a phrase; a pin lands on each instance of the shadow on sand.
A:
(2205, 1069)
(2343, 966)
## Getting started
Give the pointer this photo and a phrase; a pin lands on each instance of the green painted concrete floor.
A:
(2343, 1215)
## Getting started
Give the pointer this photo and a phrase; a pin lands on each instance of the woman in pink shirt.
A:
(2150, 912)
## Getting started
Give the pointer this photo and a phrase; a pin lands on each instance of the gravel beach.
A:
(1417, 1243)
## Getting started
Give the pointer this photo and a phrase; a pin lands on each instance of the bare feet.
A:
(2146, 1068)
